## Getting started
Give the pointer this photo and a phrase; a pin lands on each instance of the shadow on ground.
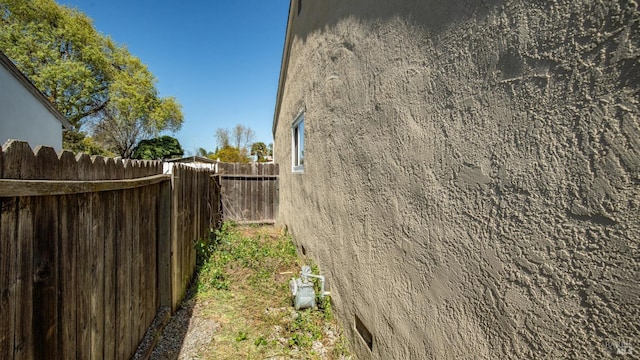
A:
(185, 334)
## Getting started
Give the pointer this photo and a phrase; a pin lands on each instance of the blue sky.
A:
(219, 58)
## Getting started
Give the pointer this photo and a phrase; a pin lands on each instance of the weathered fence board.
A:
(67, 276)
(8, 264)
(191, 222)
(43, 304)
(68, 226)
(248, 192)
(110, 277)
(86, 250)
(164, 246)
(83, 284)
(123, 282)
(215, 203)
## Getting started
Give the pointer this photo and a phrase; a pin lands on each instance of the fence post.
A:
(164, 245)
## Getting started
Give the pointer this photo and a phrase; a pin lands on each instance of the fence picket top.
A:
(23, 159)
(68, 166)
(141, 168)
(13, 143)
(98, 167)
(84, 167)
(147, 168)
(131, 168)
(152, 167)
(18, 161)
(119, 168)
(128, 168)
(109, 169)
(47, 163)
(113, 169)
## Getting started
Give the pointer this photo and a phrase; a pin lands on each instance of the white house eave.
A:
(22, 78)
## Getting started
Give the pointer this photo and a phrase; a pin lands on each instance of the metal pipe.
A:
(306, 272)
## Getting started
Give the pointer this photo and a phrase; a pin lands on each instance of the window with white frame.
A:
(297, 141)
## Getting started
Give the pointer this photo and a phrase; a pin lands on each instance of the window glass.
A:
(297, 134)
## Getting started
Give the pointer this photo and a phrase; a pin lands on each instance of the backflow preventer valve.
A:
(304, 296)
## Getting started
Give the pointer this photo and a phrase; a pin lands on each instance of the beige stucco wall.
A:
(472, 173)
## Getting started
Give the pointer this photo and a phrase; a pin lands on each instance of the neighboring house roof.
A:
(24, 80)
(193, 159)
(283, 69)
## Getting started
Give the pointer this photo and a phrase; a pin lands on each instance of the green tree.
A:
(164, 147)
(239, 137)
(79, 142)
(135, 111)
(204, 152)
(259, 149)
(61, 53)
(89, 78)
(230, 154)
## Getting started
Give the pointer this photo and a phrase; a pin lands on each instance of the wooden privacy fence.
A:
(193, 216)
(248, 192)
(91, 249)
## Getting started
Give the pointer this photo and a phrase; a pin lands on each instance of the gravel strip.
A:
(186, 334)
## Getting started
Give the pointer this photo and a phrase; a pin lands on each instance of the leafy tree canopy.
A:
(260, 150)
(62, 54)
(230, 154)
(204, 152)
(97, 84)
(79, 142)
(164, 147)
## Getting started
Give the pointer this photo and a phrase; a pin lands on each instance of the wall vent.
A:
(365, 334)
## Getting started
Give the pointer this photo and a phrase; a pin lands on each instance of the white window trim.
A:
(295, 167)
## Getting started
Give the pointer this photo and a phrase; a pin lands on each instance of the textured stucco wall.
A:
(472, 173)
(23, 117)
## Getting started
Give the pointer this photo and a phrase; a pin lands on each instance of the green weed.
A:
(260, 341)
(242, 336)
(244, 274)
